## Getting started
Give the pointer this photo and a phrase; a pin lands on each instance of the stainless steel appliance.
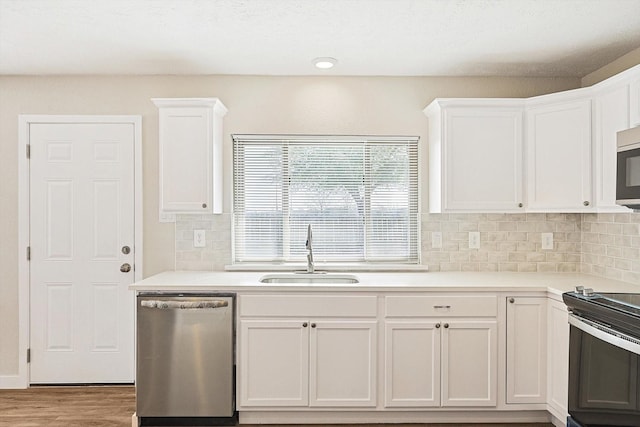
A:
(185, 358)
(604, 359)
(628, 168)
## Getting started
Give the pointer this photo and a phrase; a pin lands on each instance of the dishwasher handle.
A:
(183, 305)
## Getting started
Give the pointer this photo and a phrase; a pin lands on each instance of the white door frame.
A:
(24, 122)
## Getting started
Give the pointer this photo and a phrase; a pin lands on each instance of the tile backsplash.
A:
(606, 245)
(611, 246)
(508, 242)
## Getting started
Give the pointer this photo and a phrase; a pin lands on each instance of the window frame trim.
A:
(399, 263)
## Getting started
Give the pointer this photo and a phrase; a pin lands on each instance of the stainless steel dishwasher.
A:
(185, 356)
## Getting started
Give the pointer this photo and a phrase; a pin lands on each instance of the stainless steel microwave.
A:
(628, 168)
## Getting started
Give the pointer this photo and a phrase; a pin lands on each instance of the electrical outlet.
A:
(436, 239)
(199, 240)
(474, 240)
(547, 241)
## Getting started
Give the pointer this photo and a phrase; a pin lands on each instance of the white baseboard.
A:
(379, 417)
(12, 381)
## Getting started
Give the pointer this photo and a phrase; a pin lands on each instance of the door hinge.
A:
(28, 355)
(28, 151)
(28, 253)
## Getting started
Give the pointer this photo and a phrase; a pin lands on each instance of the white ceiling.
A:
(281, 37)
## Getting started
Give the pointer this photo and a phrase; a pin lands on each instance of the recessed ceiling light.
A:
(325, 62)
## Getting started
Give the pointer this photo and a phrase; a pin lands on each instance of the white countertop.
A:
(555, 283)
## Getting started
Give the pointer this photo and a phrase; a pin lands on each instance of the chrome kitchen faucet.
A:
(310, 267)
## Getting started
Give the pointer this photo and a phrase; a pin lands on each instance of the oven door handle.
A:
(606, 334)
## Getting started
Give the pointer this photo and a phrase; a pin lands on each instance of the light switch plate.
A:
(474, 240)
(199, 240)
(547, 241)
(436, 239)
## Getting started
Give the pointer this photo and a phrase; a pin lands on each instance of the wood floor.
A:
(102, 407)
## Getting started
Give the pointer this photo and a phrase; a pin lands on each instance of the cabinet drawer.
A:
(441, 306)
(308, 306)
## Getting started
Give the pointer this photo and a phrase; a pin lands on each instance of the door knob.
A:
(126, 250)
(125, 268)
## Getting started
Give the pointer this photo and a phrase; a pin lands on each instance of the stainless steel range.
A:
(604, 359)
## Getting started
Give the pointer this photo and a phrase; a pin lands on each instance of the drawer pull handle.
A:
(446, 325)
(441, 306)
(304, 325)
(512, 300)
(437, 325)
(313, 325)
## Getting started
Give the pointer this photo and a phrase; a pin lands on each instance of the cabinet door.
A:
(274, 363)
(412, 364)
(612, 106)
(634, 111)
(186, 177)
(526, 350)
(558, 363)
(559, 157)
(483, 159)
(343, 363)
(469, 362)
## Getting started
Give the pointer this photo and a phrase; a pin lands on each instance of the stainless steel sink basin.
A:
(310, 278)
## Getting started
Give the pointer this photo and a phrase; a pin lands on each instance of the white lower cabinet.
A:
(307, 362)
(558, 359)
(469, 363)
(444, 361)
(412, 364)
(343, 363)
(526, 350)
(274, 363)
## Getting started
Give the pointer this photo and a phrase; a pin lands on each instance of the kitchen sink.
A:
(310, 278)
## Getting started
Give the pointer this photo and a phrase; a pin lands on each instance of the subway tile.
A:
(630, 229)
(507, 226)
(567, 267)
(487, 267)
(527, 267)
(547, 267)
(508, 266)
(487, 226)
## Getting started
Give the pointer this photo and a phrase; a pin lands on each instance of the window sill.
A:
(327, 267)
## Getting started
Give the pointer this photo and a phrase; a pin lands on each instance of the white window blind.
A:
(360, 195)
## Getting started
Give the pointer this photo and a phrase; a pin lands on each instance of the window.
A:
(360, 195)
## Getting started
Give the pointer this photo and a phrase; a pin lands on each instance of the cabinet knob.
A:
(512, 300)
(304, 325)
(586, 203)
(437, 325)
(520, 205)
(446, 325)
(204, 205)
(313, 325)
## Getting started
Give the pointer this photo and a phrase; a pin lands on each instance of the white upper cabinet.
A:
(634, 92)
(559, 155)
(475, 149)
(190, 154)
(611, 116)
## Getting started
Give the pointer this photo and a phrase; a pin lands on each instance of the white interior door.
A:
(81, 223)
